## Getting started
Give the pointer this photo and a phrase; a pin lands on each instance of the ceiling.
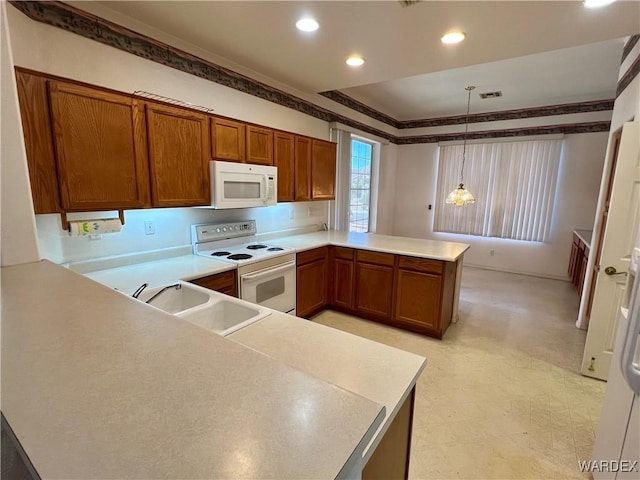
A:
(537, 53)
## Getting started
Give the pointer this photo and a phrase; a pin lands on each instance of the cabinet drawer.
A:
(376, 258)
(343, 252)
(311, 255)
(421, 264)
(222, 282)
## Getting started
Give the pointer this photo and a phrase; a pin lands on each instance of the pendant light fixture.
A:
(461, 196)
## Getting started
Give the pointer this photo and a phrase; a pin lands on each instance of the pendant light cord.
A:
(466, 130)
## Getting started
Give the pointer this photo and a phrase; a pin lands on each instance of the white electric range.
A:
(266, 273)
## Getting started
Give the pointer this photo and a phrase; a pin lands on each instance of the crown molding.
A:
(74, 20)
(629, 46)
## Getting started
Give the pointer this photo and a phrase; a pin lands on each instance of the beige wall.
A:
(48, 49)
(578, 181)
(18, 239)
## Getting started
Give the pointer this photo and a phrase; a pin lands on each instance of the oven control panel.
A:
(220, 231)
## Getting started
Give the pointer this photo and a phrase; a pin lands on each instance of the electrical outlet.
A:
(492, 252)
(291, 214)
(149, 228)
(95, 236)
(309, 212)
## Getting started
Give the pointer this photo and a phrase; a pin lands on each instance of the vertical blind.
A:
(514, 185)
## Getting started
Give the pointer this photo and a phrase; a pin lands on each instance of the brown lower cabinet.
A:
(391, 457)
(226, 282)
(311, 285)
(374, 284)
(578, 263)
(411, 293)
(342, 278)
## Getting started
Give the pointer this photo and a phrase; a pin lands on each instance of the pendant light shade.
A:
(461, 196)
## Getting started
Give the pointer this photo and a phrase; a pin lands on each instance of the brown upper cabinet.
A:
(284, 159)
(38, 142)
(179, 157)
(90, 148)
(100, 146)
(259, 145)
(315, 169)
(323, 170)
(303, 168)
(228, 139)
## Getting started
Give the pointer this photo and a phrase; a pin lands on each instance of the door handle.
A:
(613, 271)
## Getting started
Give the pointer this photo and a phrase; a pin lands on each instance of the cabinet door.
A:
(343, 279)
(571, 271)
(284, 144)
(303, 168)
(228, 139)
(259, 145)
(311, 288)
(38, 142)
(418, 300)
(374, 288)
(226, 282)
(179, 156)
(100, 145)
(323, 170)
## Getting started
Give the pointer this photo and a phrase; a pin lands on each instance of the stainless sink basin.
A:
(175, 299)
(225, 316)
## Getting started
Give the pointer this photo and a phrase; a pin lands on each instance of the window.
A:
(513, 183)
(360, 186)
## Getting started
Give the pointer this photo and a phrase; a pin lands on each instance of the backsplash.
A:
(172, 228)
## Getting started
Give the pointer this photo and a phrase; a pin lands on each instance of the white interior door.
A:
(618, 242)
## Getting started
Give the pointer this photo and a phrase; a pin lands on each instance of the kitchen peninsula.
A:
(96, 384)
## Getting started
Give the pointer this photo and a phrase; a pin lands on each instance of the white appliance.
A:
(242, 185)
(266, 273)
(617, 448)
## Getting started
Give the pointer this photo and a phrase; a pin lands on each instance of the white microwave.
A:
(242, 185)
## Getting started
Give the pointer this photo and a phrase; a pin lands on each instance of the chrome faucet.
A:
(177, 286)
(139, 290)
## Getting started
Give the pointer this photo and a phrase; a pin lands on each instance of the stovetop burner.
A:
(239, 256)
(220, 254)
(274, 249)
(256, 247)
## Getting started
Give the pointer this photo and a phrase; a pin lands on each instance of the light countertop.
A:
(164, 271)
(98, 385)
(585, 236)
(378, 372)
(159, 272)
(417, 247)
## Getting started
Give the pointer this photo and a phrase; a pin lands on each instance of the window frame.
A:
(371, 144)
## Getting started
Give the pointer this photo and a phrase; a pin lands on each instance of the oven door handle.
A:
(251, 277)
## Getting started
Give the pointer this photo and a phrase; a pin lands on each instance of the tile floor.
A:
(501, 396)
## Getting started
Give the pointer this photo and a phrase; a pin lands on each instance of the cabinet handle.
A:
(613, 271)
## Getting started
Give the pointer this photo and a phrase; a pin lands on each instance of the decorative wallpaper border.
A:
(629, 46)
(66, 17)
(590, 127)
(350, 102)
(629, 76)
(517, 114)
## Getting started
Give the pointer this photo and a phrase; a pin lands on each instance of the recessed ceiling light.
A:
(307, 24)
(453, 37)
(355, 61)
(597, 3)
